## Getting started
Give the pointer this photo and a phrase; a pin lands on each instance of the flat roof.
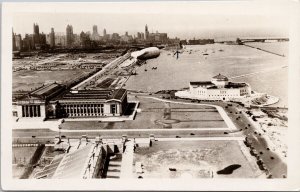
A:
(201, 83)
(93, 94)
(47, 90)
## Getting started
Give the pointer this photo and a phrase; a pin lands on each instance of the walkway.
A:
(127, 161)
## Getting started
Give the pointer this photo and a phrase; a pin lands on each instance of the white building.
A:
(219, 88)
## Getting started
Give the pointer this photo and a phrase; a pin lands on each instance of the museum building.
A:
(55, 101)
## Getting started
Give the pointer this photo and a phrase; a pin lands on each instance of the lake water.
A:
(267, 72)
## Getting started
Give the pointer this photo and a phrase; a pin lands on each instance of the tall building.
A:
(95, 35)
(69, 35)
(60, 39)
(28, 42)
(146, 33)
(104, 32)
(52, 38)
(18, 42)
(36, 35)
(142, 36)
(95, 30)
(13, 41)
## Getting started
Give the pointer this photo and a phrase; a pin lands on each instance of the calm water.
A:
(230, 60)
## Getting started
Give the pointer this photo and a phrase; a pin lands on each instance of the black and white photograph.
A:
(149, 91)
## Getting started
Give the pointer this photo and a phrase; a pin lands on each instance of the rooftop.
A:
(47, 90)
(73, 164)
(220, 77)
(93, 94)
(198, 83)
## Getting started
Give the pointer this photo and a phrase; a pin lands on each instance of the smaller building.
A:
(219, 88)
(35, 103)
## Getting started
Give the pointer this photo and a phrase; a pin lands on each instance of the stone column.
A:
(28, 110)
(34, 110)
(93, 109)
(23, 111)
(88, 109)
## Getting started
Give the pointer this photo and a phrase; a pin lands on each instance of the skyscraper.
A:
(36, 30)
(95, 30)
(13, 41)
(52, 38)
(36, 35)
(104, 32)
(69, 35)
(146, 33)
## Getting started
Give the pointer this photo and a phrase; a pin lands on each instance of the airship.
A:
(147, 53)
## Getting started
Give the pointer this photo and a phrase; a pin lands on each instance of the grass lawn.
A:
(156, 114)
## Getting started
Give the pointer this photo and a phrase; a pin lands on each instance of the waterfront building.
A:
(219, 88)
(55, 101)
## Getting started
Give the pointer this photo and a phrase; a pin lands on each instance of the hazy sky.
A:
(183, 21)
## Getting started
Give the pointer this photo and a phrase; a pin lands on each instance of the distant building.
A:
(201, 41)
(158, 37)
(142, 36)
(104, 33)
(14, 48)
(95, 35)
(69, 36)
(85, 41)
(27, 43)
(18, 39)
(115, 36)
(146, 33)
(219, 88)
(36, 35)
(52, 38)
(60, 40)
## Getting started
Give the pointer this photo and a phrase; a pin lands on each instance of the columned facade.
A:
(31, 111)
(91, 109)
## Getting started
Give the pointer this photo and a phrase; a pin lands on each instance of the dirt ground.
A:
(194, 159)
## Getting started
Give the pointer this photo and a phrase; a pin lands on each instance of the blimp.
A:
(147, 53)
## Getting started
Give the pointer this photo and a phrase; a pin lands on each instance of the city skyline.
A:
(182, 27)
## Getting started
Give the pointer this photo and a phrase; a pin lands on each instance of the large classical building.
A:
(219, 88)
(55, 101)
